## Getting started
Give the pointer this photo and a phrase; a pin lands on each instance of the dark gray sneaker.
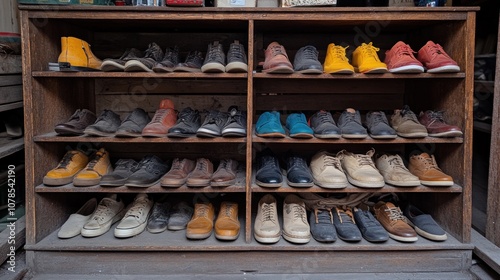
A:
(106, 124)
(236, 58)
(236, 124)
(424, 224)
(123, 169)
(344, 223)
(180, 215)
(370, 228)
(350, 124)
(193, 63)
(151, 57)
(76, 124)
(215, 60)
(158, 221)
(188, 122)
(323, 125)
(378, 126)
(306, 61)
(133, 125)
(149, 172)
(322, 227)
(212, 125)
(118, 64)
(169, 61)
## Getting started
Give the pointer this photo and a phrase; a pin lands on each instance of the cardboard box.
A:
(235, 3)
(307, 3)
(401, 3)
(268, 3)
(66, 2)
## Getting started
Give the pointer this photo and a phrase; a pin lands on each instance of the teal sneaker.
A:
(296, 123)
(269, 125)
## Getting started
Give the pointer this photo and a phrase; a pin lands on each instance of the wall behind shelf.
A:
(9, 16)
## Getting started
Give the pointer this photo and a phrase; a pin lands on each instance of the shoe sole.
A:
(408, 69)
(179, 135)
(172, 183)
(234, 132)
(136, 66)
(130, 232)
(163, 69)
(213, 67)
(154, 231)
(203, 132)
(355, 136)
(341, 71)
(296, 239)
(413, 134)
(360, 184)
(111, 66)
(428, 235)
(447, 134)
(302, 135)
(404, 183)
(223, 184)
(379, 70)
(198, 184)
(445, 69)
(271, 135)
(236, 67)
(157, 135)
(268, 185)
(137, 185)
(227, 237)
(106, 228)
(113, 184)
(68, 131)
(300, 185)
(198, 235)
(175, 228)
(383, 136)
(267, 239)
(77, 182)
(328, 136)
(403, 239)
(128, 134)
(279, 70)
(95, 132)
(57, 181)
(310, 71)
(331, 185)
(437, 183)
(187, 69)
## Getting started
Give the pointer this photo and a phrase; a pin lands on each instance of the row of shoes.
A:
(321, 124)
(350, 224)
(399, 59)
(335, 171)
(84, 170)
(165, 122)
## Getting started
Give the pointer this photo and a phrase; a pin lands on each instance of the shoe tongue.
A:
(425, 155)
(351, 110)
(166, 104)
(390, 205)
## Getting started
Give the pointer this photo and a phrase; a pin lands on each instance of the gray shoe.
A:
(152, 56)
(378, 126)
(322, 227)
(180, 216)
(306, 61)
(215, 60)
(370, 228)
(236, 58)
(133, 125)
(158, 221)
(123, 169)
(345, 225)
(169, 61)
(149, 172)
(106, 124)
(212, 125)
(350, 124)
(236, 124)
(118, 64)
(188, 122)
(193, 63)
(324, 126)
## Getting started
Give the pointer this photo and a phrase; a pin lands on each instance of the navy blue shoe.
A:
(298, 173)
(323, 125)
(322, 227)
(296, 124)
(370, 227)
(268, 170)
(344, 223)
(350, 124)
(424, 224)
(269, 125)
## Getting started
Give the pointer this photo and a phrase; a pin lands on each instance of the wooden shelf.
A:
(460, 75)
(482, 126)
(121, 75)
(10, 106)
(10, 146)
(368, 140)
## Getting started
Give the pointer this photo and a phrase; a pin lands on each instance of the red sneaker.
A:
(400, 59)
(436, 60)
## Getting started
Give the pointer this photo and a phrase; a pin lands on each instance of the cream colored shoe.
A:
(266, 228)
(360, 169)
(73, 226)
(136, 218)
(109, 211)
(327, 171)
(295, 225)
(395, 172)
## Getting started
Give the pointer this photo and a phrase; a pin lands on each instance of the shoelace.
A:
(409, 115)
(176, 165)
(395, 214)
(339, 52)
(364, 160)
(235, 116)
(94, 161)
(170, 55)
(268, 213)
(201, 210)
(160, 115)
(430, 163)
(370, 51)
(228, 210)
(332, 161)
(268, 161)
(153, 52)
(194, 57)
(299, 212)
(137, 210)
(66, 160)
(186, 115)
(324, 117)
(436, 50)
(236, 52)
(298, 162)
(397, 163)
(159, 213)
(436, 116)
(323, 217)
(310, 52)
(76, 116)
(201, 165)
(103, 210)
(278, 50)
(404, 50)
(377, 118)
(345, 215)
(106, 114)
(215, 53)
(225, 164)
(126, 165)
(349, 117)
(215, 117)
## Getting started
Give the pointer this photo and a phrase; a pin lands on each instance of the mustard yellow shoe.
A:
(336, 61)
(366, 60)
(77, 53)
(91, 175)
(72, 163)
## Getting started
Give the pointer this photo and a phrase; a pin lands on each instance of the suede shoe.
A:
(149, 172)
(178, 174)
(392, 219)
(269, 125)
(106, 124)
(268, 173)
(306, 61)
(135, 220)
(118, 64)
(187, 124)
(109, 211)
(169, 61)
(365, 60)
(158, 220)
(343, 220)
(73, 162)
(436, 60)
(215, 60)
(361, 170)
(395, 172)
(336, 61)
(202, 222)
(212, 125)
(378, 126)
(276, 61)
(193, 63)
(322, 227)
(123, 169)
(324, 126)
(180, 215)
(133, 124)
(426, 169)
(297, 126)
(327, 171)
(295, 226)
(424, 224)
(202, 173)
(92, 173)
(227, 225)
(225, 175)
(76, 124)
(266, 228)
(298, 173)
(436, 126)
(164, 118)
(406, 124)
(236, 123)
(350, 125)
(236, 58)
(370, 228)
(400, 59)
(152, 56)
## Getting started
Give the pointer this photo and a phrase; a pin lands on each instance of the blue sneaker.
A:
(296, 123)
(269, 125)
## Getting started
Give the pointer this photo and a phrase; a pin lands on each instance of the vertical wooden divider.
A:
(249, 160)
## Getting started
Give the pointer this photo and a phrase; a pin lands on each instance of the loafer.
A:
(344, 224)
(73, 225)
(370, 228)
(298, 173)
(424, 224)
(322, 227)
(268, 171)
(297, 126)
(269, 125)
(133, 124)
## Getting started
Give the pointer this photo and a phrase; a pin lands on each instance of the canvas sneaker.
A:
(436, 60)
(215, 59)
(109, 211)
(152, 56)
(336, 61)
(212, 125)
(169, 61)
(236, 123)
(135, 220)
(236, 58)
(193, 63)
(365, 60)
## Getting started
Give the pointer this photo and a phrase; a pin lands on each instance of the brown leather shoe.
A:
(202, 222)
(227, 225)
(225, 174)
(426, 169)
(436, 126)
(77, 123)
(392, 219)
(164, 118)
(277, 60)
(178, 174)
(202, 173)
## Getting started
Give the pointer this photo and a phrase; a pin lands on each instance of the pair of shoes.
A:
(305, 61)
(227, 225)
(151, 57)
(215, 59)
(269, 172)
(118, 64)
(269, 125)
(164, 217)
(364, 60)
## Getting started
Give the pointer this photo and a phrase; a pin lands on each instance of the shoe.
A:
(378, 126)
(123, 169)
(268, 171)
(392, 219)
(180, 215)
(227, 225)
(202, 173)
(436, 126)
(77, 53)
(336, 61)
(164, 118)
(74, 224)
(395, 172)
(295, 226)
(236, 58)
(324, 126)
(188, 122)
(158, 220)
(178, 174)
(365, 60)
(133, 124)
(215, 60)
(327, 171)
(343, 220)
(426, 169)
(106, 124)
(306, 61)
(169, 61)
(322, 227)
(360, 169)
(297, 126)
(350, 125)
(212, 125)
(236, 123)
(73, 162)
(436, 60)
(225, 175)
(193, 63)
(135, 220)
(118, 64)
(109, 211)
(202, 222)
(370, 228)
(269, 125)
(148, 173)
(424, 224)
(76, 124)
(152, 56)
(276, 60)
(406, 124)
(298, 173)
(266, 228)
(400, 59)
(92, 173)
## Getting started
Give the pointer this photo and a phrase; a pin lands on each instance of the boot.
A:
(78, 55)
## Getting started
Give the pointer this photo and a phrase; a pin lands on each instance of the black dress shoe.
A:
(322, 227)
(123, 169)
(149, 172)
(370, 227)
(188, 123)
(344, 223)
(268, 171)
(298, 173)
(76, 124)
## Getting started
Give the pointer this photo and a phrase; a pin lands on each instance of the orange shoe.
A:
(72, 163)
(227, 226)
(164, 118)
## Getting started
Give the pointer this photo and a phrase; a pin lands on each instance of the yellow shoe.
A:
(95, 169)
(72, 162)
(336, 61)
(365, 59)
(77, 53)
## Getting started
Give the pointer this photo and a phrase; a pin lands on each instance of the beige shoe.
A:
(266, 228)
(395, 172)
(327, 171)
(135, 220)
(406, 124)
(360, 169)
(91, 175)
(427, 170)
(109, 211)
(295, 225)
(73, 226)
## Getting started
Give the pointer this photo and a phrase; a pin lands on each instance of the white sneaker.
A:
(109, 211)
(73, 226)
(295, 225)
(136, 218)
(327, 171)
(361, 170)
(394, 171)
(266, 228)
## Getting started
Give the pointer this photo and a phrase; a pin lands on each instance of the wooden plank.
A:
(9, 21)
(249, 147)
(9, 80)
(10, 94)
(10, 146)
(12, 239)
(486, 250)
(11, 106)
(285, 188)
(10, 64)
(367, 140)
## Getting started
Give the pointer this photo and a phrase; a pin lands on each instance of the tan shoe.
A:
(360, 169)
(392, 219)
(72, 163)
(91, 175)
(225, 174)
(178, 174)
(227, 225)
(202, 173)
(427, 170)
(395, 172)
(78, 54)
(327, 171)
(276, 60)
(406, 124)
(266, 228)
(295, 225)
(202, 222)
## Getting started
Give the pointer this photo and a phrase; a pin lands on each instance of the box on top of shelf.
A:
(307, 3)
(235, 3)
(67, 2)
(401, 3)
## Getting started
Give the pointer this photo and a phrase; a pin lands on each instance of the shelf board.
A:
(482, 126)
(368, 140)
(484, 86)
(121, 75)
(11, 106)
(10, 146)
(460, 75)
